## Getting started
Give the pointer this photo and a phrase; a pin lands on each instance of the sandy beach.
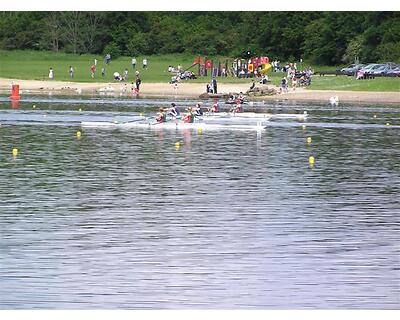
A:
(190, 90)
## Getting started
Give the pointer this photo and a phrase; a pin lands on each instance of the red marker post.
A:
(15, 92)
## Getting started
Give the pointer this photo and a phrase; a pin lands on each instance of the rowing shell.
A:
(173, 125)
(255, 115)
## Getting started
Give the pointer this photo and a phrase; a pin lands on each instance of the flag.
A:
(198, 59)
(209, 64)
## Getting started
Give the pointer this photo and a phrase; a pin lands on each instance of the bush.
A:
(113, 49)
(138, 45)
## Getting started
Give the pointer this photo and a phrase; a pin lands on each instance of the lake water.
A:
(122, 219)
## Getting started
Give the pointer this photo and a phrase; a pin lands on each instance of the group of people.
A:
(93, 69)
(144, 63)
(180, 74)
(298, 78)
(174, 112)
(193, 112)
(233, 99)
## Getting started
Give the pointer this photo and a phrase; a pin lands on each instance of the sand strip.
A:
(190, 90)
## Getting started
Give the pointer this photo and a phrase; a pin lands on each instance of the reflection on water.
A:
(231, 219)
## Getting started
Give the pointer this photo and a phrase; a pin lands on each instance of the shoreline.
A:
(189, 90)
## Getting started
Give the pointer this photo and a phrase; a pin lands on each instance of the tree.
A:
(353, 50)
(91, 28)
(138, 44)
(52, 30)
(72, 22)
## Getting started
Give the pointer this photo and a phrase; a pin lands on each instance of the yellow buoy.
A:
(303, 126)
(78, 134)
(387, 123)
(311, 160)
(34, 107)
(141, 114)
(14, 152)
(374, 115)
(177, 145)
(80, 109)
(199, 130)
(309, 140)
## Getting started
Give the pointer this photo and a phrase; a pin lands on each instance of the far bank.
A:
(189, 90)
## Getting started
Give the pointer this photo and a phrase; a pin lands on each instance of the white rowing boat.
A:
(255, 115)
(172, 125)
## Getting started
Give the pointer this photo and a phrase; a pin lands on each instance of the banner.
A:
(198, 59)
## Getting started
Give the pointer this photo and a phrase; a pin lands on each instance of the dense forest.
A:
(319, 37)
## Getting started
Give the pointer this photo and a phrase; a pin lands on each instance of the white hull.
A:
(176, 125)
(255, 115)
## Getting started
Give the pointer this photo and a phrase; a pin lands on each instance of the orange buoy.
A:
(15, 92)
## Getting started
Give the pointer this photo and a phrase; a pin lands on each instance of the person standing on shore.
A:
(71, 72)
(133, 63)
(51, 73)
(144, 63)
(137, 82)
(103, 72)
(294, 83)
(284, 85)
(214, 85)
(93, 70)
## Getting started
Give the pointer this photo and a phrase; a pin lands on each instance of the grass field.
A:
(34, 65)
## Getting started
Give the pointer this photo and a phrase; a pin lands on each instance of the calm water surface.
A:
(230, 220)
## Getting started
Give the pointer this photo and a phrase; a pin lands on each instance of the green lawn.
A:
(35, 65)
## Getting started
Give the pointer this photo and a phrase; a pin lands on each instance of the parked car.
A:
(380, 71)
(368, 67)
(373, 69)
(352, 69)
(392, 65)
(364, 72)
(393, 72)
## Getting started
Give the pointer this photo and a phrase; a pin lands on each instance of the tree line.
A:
(320, 37)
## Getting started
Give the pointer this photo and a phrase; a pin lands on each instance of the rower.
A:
(189, 118)
(173, 111)
(214, 107)
(197, 110)
(240, 98)
(237, 109)
(232, 98)
(161, 116)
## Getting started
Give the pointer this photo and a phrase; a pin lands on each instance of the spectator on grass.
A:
(92, 71)
(133, 63)
(51, 74)
(223, 72)
(107, 58)
(144, 63)
(284, 85)
(294, 83)
(71, 72)
(103, 72)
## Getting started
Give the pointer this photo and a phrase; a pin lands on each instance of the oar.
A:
(137, 120)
